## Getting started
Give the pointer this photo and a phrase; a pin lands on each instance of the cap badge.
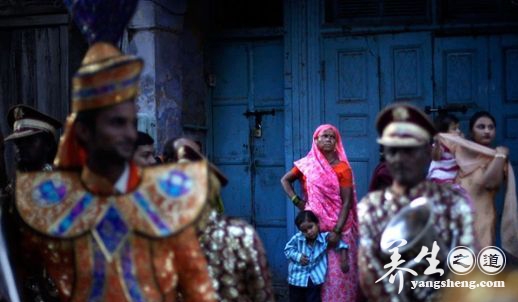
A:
(400, 114)
(18, 113)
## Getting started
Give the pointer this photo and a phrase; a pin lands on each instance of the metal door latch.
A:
(448, 108)
(258, 114)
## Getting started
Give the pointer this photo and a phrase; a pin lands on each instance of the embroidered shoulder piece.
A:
(168, 198)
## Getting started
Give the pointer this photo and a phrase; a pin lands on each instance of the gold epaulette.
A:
(168, 198)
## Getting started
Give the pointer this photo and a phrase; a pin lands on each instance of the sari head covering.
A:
(106, 76)
(323, 188)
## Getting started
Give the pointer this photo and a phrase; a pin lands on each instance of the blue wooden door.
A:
(503, 91)
(362, 75)
(481, 73)
(406, 68)
(351, 100)
(503, 98)
(249, 78)
(462, 74)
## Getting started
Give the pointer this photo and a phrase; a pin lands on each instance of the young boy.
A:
(306, 252)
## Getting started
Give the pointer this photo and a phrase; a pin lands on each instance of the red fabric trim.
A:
(134, 176)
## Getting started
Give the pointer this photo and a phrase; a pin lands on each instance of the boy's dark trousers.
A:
(311, 293)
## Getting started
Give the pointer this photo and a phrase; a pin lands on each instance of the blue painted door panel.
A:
(230, 153)
(406, 68)
(482, 73)
(462, 74)
(362, 75)
(503, 91)
(249, 77)
(351, 97)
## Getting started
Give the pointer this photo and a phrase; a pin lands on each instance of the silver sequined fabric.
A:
(454, 222)
(236, 258)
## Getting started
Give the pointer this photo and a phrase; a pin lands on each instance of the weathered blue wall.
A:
(173, 92)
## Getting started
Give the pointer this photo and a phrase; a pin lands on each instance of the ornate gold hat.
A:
(106, 77)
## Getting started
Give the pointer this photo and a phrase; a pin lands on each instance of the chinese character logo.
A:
(394, 265)
(461, 260)
(432, 259)
(491, 260)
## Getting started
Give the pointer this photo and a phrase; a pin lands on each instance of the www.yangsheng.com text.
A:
(450, 283)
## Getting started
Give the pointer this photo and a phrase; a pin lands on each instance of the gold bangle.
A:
(336, 230)
(500, 155)
(295, 199)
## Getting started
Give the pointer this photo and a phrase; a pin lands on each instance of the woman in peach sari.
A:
(329, 192)
(483, 171)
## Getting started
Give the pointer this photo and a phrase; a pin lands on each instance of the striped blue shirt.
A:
(298, 274)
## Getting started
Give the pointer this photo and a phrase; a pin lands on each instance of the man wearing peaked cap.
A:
(34, 136)
(388, 217)
(107, 229)
(403, 125)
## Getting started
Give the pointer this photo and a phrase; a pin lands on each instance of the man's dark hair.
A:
(88, 117)
(303, 216)
(444, 120)
(144, 139)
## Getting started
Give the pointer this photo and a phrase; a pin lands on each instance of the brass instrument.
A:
(415, 224)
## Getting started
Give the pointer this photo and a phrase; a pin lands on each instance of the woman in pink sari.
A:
(329, 192)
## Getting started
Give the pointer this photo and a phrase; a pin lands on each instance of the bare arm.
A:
(494, 174)
(287, 184)
(346, 195)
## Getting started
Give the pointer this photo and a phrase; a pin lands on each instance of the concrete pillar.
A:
(154, 34)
